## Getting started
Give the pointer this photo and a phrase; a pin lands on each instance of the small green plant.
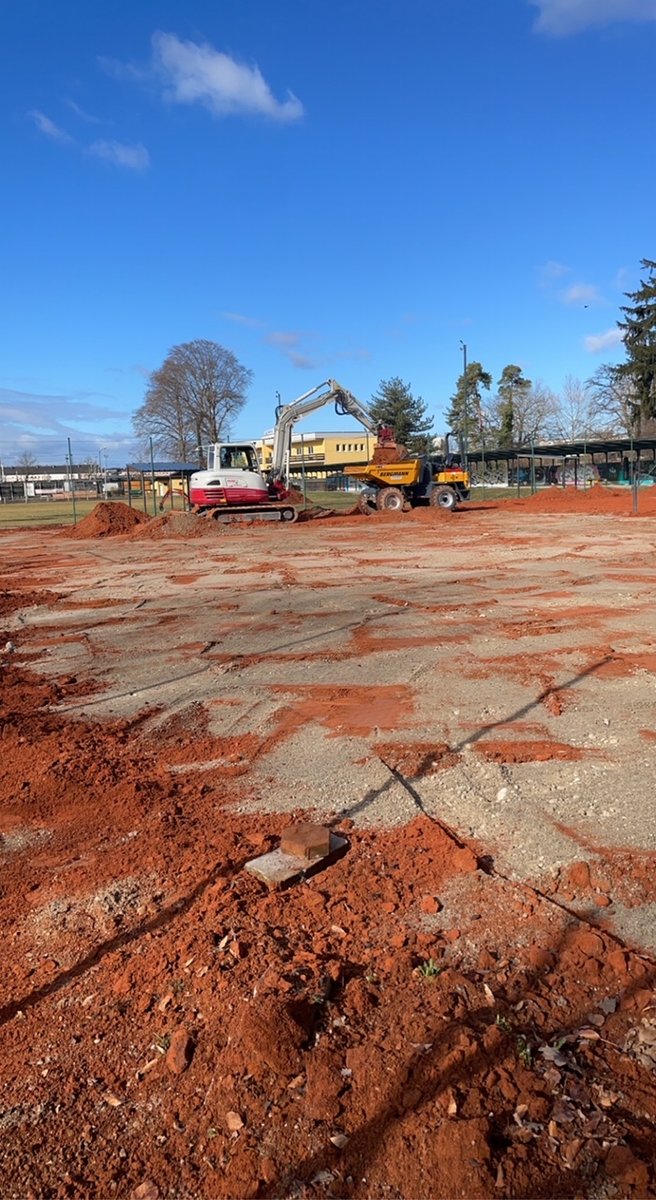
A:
(178, 987)
(163, 1041)
(371, 977)
(502, 1023)
(430, 969)
(524, 1051)
(212, 1133)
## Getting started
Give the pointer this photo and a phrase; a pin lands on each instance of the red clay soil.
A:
(595, 501)
(108, 520)
(527, 750)
(403, 1024)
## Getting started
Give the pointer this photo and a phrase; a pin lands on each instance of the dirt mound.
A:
(178, 525)
(108, 519)
(595, 501)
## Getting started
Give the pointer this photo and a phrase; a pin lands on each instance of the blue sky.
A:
(345, 190)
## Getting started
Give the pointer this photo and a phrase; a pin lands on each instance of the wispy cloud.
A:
(551, 272)
(122, 70)
(582, 293)
(359, 354)
(561, 18)
(133, 158)
(82, 114)
(120, 154)
(288, 342)
(197, 73)
(48, 127)
(623, 279)
(596, 342)
(242, 319)
(42, 424)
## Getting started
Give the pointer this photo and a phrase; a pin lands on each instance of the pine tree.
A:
(512, 391)
(639, 337)
(394, 404)
(466, 417)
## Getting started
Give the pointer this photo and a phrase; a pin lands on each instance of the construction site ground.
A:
(463, 1005)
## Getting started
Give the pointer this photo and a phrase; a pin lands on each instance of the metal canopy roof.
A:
(569, 449)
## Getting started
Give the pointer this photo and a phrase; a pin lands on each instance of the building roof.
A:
(163, 468)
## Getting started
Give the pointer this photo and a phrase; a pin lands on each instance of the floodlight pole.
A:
(70, 464)
(465, 388)
(152, 475)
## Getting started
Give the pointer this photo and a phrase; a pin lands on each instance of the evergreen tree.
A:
(394, 404)
(639, 337)
(466, 416)
(512, 392)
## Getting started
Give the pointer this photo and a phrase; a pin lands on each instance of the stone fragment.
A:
(148, 1190)
(430, 904)
(180, 1051)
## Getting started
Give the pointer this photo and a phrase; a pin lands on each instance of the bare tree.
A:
(573, 420)
(25, 464)
(533, 409)
(614, 403)
(192, 398)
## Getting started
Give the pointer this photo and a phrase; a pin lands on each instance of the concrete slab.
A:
(277, 869)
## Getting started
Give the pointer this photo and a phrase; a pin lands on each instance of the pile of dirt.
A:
(178, 525)
(595, 501)
(108, 519)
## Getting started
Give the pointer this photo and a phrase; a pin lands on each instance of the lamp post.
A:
(465, 388)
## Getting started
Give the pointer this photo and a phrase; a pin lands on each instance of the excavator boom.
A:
(329, 392)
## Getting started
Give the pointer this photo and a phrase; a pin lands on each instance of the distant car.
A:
(335, 483)
(342, 483)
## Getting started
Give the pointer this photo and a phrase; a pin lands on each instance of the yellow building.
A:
(321, 450)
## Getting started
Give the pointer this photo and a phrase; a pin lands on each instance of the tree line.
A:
(619, 400)
(193, 398)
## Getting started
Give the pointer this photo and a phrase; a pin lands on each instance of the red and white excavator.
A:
(233, 481)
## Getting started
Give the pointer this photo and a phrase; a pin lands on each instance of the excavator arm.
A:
(329, 392)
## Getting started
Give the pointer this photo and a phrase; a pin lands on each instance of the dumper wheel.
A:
(443, 497)
(390, 499)
(365, 504)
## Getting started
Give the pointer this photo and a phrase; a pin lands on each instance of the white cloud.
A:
(550, 272)
(135, 158)
(562, 17)
(242, 319)
(289, 344)
(597, 342)
(582, 293)
(198, 74)
(48, 127)
(121, 70)
(301, 361)
(284, 341)
(82, 114)
(42, 424)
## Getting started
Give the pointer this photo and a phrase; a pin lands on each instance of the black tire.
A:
(443, 497)
(365, 505)
(390, 499)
